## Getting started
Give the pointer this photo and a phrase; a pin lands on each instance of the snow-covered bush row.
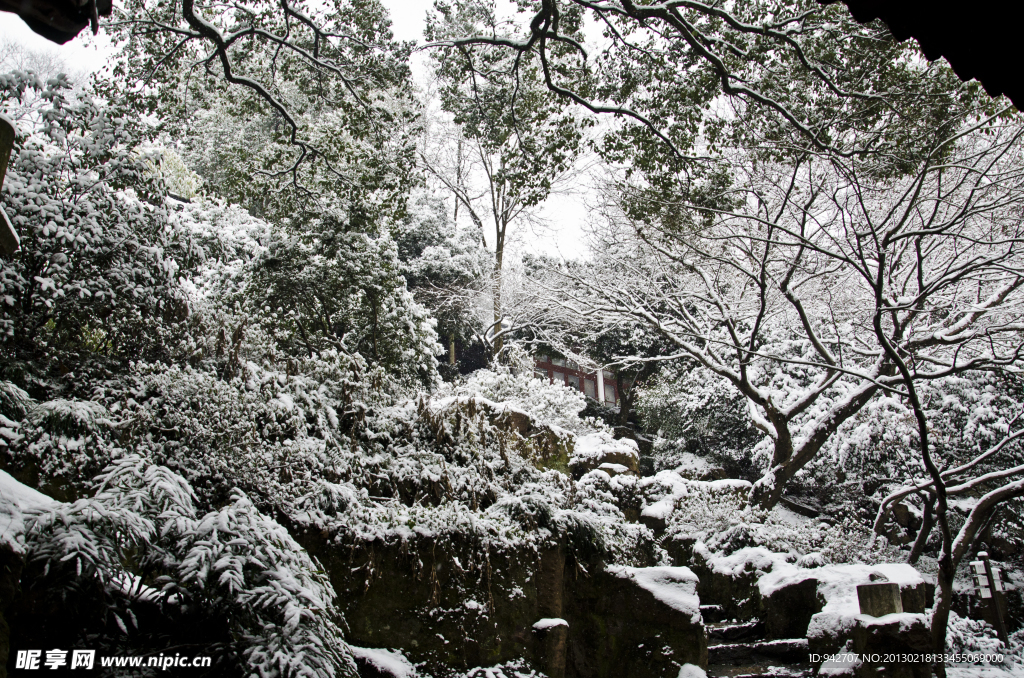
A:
(140, 537)
(716, 514)
(321, 442)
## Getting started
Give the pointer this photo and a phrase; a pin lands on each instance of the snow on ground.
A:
(388, 662)
(1006, 671)
(785, 515)
(15, 499)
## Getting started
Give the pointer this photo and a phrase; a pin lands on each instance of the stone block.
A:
(879, 599)
(789, 608)
(635, 623)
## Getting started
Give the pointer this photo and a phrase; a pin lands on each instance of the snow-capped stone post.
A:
(990, 587)
(879, 599)
(9, 241)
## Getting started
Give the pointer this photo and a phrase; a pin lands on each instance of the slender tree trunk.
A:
(927, 523)
(451, 349)
(499, 341)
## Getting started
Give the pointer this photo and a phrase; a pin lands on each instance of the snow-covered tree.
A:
(512, 141)
(304, 92)
(96, 279)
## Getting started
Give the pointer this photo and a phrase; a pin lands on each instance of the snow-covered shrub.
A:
(716, 513)
(697, 412)
(965, 635)
(345, 291)
(63, 442)
(14, 402)
(447, 269)
(96, 278)
(140, 539)
(552, 404)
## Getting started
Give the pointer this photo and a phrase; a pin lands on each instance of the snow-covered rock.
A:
(672, 586)
(592, 451)
(549, 623)
(838, 623)
(643, 622)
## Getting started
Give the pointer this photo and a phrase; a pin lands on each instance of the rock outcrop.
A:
(592, 451)
(637, 622)
(455, 605)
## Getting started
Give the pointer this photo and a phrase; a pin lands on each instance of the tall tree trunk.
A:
(451, 349)
(944, 578)
(499, 341)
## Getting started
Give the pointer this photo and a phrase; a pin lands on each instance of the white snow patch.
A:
(15, 499)
(549, 623)
(788, 516)
(597, 445)
(389, 662)
(747, 559)
(691, 671)
(673, 586)
(731, 485)
(660, 509)
(692, 466)
(674, 487)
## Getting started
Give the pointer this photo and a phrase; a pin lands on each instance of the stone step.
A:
(762, 670)
(793, 650)
(722, 633)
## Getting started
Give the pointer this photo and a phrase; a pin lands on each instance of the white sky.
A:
(84, 54)
(565, 214)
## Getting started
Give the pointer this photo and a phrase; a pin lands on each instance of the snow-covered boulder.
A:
(592, 451)
(642, 622)
(838, 623)
(732, 581)
(792, 596)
